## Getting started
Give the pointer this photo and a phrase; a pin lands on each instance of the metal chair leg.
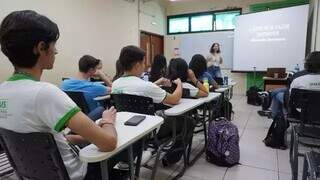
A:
(305, 169)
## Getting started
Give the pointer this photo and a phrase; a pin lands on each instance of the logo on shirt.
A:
(3, 104)
(315, 84)
(3, 108)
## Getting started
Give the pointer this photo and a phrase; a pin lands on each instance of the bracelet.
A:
(102, 124)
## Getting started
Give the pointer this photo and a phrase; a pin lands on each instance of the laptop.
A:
(276, 72)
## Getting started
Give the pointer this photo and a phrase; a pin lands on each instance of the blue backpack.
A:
(223, 143)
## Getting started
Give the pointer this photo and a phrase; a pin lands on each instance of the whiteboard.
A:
(200, 43)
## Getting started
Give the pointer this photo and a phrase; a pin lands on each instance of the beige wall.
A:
(152, 16)
(96, 27)
(182, 7)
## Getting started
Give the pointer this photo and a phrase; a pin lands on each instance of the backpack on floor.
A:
(276, 133)
(253, 96)
(223, 143)
(226, 110)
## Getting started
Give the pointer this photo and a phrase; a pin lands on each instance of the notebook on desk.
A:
(276, 72)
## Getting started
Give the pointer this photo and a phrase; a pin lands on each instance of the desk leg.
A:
(138, 163)
(131, 167)
(104, 170)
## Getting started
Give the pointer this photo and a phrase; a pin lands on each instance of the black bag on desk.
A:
(253, 97)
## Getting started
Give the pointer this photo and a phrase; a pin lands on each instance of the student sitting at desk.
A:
(198, 65)
(131, 59)
(178, 68)
(158, 68)
(87, 69)
(28, 40)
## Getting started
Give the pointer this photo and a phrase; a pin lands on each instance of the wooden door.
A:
(153, 45)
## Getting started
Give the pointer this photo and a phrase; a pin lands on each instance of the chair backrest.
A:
(79, 99)
(33, 155)
(309, 102)
(185, 92)
(133, 103)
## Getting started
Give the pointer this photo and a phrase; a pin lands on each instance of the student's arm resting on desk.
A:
(175, 97)
(202, 90)
(104, 137)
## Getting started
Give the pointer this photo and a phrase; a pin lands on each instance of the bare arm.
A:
(175, 97)
(104, 137)
(202, 90)
(104, 78)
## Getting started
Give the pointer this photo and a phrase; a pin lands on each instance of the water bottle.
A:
(225, 80)
(297, 68)
(206, 84)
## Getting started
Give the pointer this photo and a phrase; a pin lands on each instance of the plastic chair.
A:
(309, 102)
(5, 166)
(79, 99)
(33, 155)
(311, 165)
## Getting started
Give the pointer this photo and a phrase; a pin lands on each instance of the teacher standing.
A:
(214, 60)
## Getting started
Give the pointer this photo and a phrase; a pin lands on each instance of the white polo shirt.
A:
(28, 106)
(135, 86)
(309, 81)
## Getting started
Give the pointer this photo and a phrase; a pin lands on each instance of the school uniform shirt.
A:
(28, 106)
(214, 60)
(136, 86)
(309, 81)
(193, 90)
(90, 90)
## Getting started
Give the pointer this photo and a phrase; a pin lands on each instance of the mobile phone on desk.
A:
(135, 120)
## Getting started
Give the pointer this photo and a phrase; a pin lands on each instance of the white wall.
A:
(96, 27)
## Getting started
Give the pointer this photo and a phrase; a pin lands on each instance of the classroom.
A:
(160, 89)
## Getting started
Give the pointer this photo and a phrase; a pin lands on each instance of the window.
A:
(201, 23)
(178, 25)
(226, 20)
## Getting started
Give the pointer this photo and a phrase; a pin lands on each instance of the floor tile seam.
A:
(256, 167)
(245, 126)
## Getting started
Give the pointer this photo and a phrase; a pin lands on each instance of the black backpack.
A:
(253, 96)
(276, 133)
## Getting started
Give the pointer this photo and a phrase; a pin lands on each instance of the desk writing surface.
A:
(126, 136)
(274, 79)
(184, 106)
(211, 96)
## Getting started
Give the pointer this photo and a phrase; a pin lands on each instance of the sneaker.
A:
(122, 165)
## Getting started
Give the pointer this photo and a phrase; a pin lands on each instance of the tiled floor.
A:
(257, 161)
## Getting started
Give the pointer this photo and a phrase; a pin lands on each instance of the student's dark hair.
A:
(129, 56)
(119, 71)
(312, 62)
(87, 62)
(198, 65)
(211, 49)
(158, 68)
(178, 68)
(21, 31)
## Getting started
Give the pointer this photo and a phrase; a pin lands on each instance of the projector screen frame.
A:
(257, 12)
